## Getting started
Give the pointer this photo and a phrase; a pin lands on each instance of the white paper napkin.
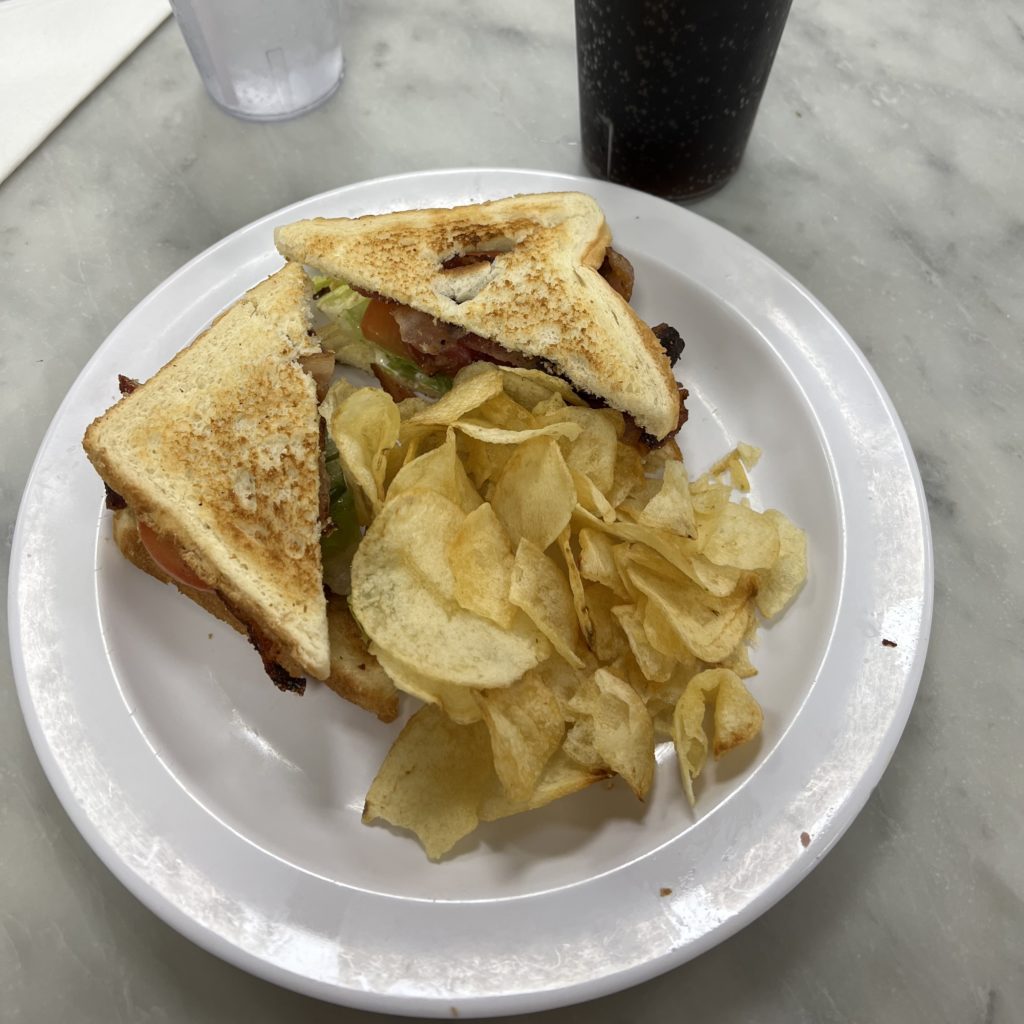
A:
(53, 53)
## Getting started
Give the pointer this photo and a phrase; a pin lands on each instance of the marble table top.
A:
(885, 174)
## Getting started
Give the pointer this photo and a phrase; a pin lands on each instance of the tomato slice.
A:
(379, 326)
(166, 555)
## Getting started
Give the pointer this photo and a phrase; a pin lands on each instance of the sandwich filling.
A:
(413, 353)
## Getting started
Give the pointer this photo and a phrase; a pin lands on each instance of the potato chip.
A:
(526, 727)
(675, 555)
(739, 661)
(662, 634)
(429, 562)
(579, 598)
(626, 668)
(580, 744)
(528, 387)
(628, 473)
(472, 387)
(622, 731)
(593, 450)
(409, 407)
(404, 452)
(736, 463)
(621, 557)
(525, 391)
(661, 717)
(679, 552)
(506, 413)
(737, 719)
(655, 665)
(608, 640)
(671, 508)
(597, 561)
(547, 406)
(336, 394)
(738, 716)
(561, 777)
(590, 498)
(718, 580)
(778, 585)
(433, 780)
(750, 455)
(738, 475)
(534, 496)
(640, 494)
(661, 698)
(440, 470)
(394, 459)
(563, 680)
(403, 597)
(642, 554)
(542, 591)
(413, 429)
(672, 689)
(544, 672)
(415, 440)
(708, 496)
(690, 740)
(458, 702)
(658, 458)
(481, 560)
(498, 435)
(740, 538)
(363, 426)
(483, 462)
(680, 618)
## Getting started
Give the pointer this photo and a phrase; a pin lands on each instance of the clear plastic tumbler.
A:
(264, 60)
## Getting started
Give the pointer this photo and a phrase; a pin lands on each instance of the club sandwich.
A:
(218, 469)
(214, 473)
(530, 280)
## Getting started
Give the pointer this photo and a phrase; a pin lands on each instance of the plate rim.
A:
(486, 1004)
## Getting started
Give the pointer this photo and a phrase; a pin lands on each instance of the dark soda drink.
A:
(669, 90)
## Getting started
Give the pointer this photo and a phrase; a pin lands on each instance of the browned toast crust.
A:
(542, 295)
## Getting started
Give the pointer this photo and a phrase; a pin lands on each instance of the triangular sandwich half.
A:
(217, 458)
(521, 274)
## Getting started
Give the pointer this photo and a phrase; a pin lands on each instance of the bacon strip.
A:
(618, 272)
(495, 353)
(391, 384)
(320, 366)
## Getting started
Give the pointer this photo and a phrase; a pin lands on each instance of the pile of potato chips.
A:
(558, 596)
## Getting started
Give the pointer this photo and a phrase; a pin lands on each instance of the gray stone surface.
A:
(884, 173)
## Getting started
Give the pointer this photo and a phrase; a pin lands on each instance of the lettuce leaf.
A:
(344, 308)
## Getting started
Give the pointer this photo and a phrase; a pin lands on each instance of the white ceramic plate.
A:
(232, 810)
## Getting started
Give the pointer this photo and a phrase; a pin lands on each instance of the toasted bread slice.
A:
(126, 537)
(219, 454)
(355, 673)
(542, 295)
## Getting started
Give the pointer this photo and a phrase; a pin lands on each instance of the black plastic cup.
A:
(669, 88)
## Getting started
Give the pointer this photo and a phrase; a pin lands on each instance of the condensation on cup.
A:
(264, 60)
